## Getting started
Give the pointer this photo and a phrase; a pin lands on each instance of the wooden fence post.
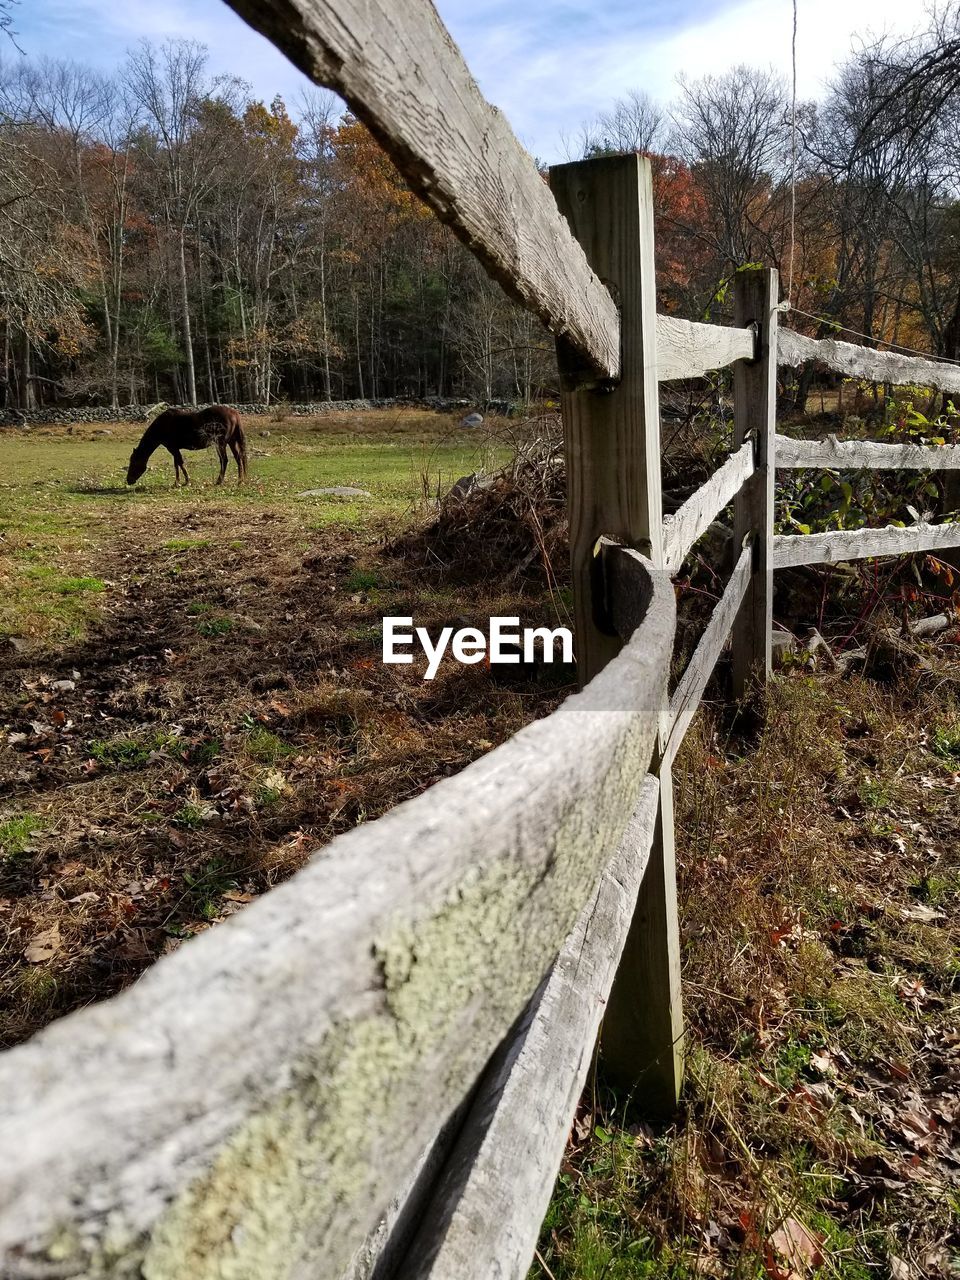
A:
(755, 297)
(612, 445)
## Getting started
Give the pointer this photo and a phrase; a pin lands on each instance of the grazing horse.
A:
(178, 429)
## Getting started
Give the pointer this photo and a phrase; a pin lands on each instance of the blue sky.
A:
(548, 64)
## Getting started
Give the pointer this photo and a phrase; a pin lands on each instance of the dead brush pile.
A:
(509, 526)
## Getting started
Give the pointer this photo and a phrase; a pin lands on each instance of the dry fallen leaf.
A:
(921, 912)
(798, 1245)
(43, 946)
(823, 1062)
(901, 1270)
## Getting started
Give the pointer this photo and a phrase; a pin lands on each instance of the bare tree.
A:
(6, 21)
(733, 131)
(634, 123)
(169, 85)
(319, 110)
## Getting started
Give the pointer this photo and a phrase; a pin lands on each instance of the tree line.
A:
(165, 236)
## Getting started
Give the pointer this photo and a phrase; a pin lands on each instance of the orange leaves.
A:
(679, 202)
(940, 569)
(376, 198)
(271, 125)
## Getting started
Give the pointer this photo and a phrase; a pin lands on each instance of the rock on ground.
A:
(336, 491)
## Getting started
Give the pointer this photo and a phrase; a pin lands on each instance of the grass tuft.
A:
(16, 833)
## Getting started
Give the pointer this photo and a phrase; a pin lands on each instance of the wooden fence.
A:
(372, 1070)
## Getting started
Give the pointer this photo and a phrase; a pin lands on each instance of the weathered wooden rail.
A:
(371, 1072)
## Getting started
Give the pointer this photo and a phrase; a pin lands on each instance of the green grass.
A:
(129, 753)
(191, 816)
(216, 626)
(592, 1211)
(394, 467)
(74, 586)
(362, 580)
(186, 544)
(945, 743)
(16, 833)
(68, 497)
(215, 878)
(264, 746)
(204, 753)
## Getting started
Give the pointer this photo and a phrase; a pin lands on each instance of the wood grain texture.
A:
(642, 1037)
(382, 1252)
(688, 693)
(686, 349)
(612, 445)
(400, 71)
(691, 521)
(612, 440)
(490, 1204)
(756, 294)
(251, 1105)
(835, 454)
(626, 591)
(860, 544)
(863, 362)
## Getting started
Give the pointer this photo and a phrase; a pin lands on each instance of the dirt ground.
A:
(193, 702)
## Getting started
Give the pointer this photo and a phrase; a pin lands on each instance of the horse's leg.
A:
(222, 450)
(176, 466)
(180, 465)
(238, 459)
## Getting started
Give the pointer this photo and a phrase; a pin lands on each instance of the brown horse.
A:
(177, 429)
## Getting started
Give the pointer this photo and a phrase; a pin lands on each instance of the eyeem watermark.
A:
(504, 642)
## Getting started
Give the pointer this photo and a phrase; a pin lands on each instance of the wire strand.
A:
(793, 155)
(898, 346)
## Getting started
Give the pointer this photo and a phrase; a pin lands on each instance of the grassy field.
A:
(63, 495)
(191, 692)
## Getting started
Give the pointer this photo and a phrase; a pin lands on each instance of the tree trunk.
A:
(323, 318)
(28, 392)
(7, 389)
(185, 312)
(804, 383)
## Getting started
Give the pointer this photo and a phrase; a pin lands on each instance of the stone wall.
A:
(137, 412)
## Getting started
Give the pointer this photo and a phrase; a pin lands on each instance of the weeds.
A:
(16, 833)
(362, 580)
(945, 742)
(75, 586)
(130, 753)
(186, 544)
(219, 625)
(207, 887)
(264, 746)
(821, 1003)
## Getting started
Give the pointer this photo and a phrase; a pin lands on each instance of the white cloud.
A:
(550, 66)
(100, 32)
(549, 80)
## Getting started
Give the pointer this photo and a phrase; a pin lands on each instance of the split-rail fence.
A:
(372, 1070)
